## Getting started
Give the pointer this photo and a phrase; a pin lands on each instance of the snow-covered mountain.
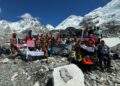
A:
(107, 15)
(71, 21)
(49, 27)
(22, 25)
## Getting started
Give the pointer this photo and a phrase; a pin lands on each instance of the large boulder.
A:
(111, 42)
(116, 51)
(62, 50)
(68, 75)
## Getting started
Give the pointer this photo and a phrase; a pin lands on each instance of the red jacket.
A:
(26, 39)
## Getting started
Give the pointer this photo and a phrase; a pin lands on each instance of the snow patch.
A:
(111, 42)
(104, 15)
(71, 21)
(50, 27)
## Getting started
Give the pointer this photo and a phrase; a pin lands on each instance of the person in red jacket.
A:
(27, 38)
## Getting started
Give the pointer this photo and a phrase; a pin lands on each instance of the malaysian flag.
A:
(20, 43)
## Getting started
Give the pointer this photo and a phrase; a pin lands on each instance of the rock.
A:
(17, 72)
(93, 77)
(87, 83)
(37, 84)
(14, 76)
(65, 75)
(63, 50)
(36, 61)
(105, 78)
(41, 70)
(29, 78)
(94, 83)
(110, 83)
(6, 60)
(63, 59)
(3, 56)
(116, 51)
(102, 79)
(117, 81)
(68, 75)
(116, 56)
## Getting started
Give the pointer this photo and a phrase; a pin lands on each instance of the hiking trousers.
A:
(104, 59)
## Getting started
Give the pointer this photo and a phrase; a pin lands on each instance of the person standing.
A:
(30, 33)
(103, 55)
(99, 33)
(13, 44)
(77, 50)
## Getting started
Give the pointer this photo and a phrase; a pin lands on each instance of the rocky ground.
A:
(20, 73)
(16, 72)
(108, 77)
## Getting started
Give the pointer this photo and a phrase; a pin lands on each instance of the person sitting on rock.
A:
(13, 46)
(103, 55)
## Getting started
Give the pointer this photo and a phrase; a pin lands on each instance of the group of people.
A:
(87, 48)
(43, 42)
(93, 49)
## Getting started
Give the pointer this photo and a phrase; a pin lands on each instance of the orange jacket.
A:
(87, 61)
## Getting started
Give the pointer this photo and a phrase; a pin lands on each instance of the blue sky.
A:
(48, 11)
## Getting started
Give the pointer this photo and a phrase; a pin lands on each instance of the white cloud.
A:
(0, 10)
(27, 16)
